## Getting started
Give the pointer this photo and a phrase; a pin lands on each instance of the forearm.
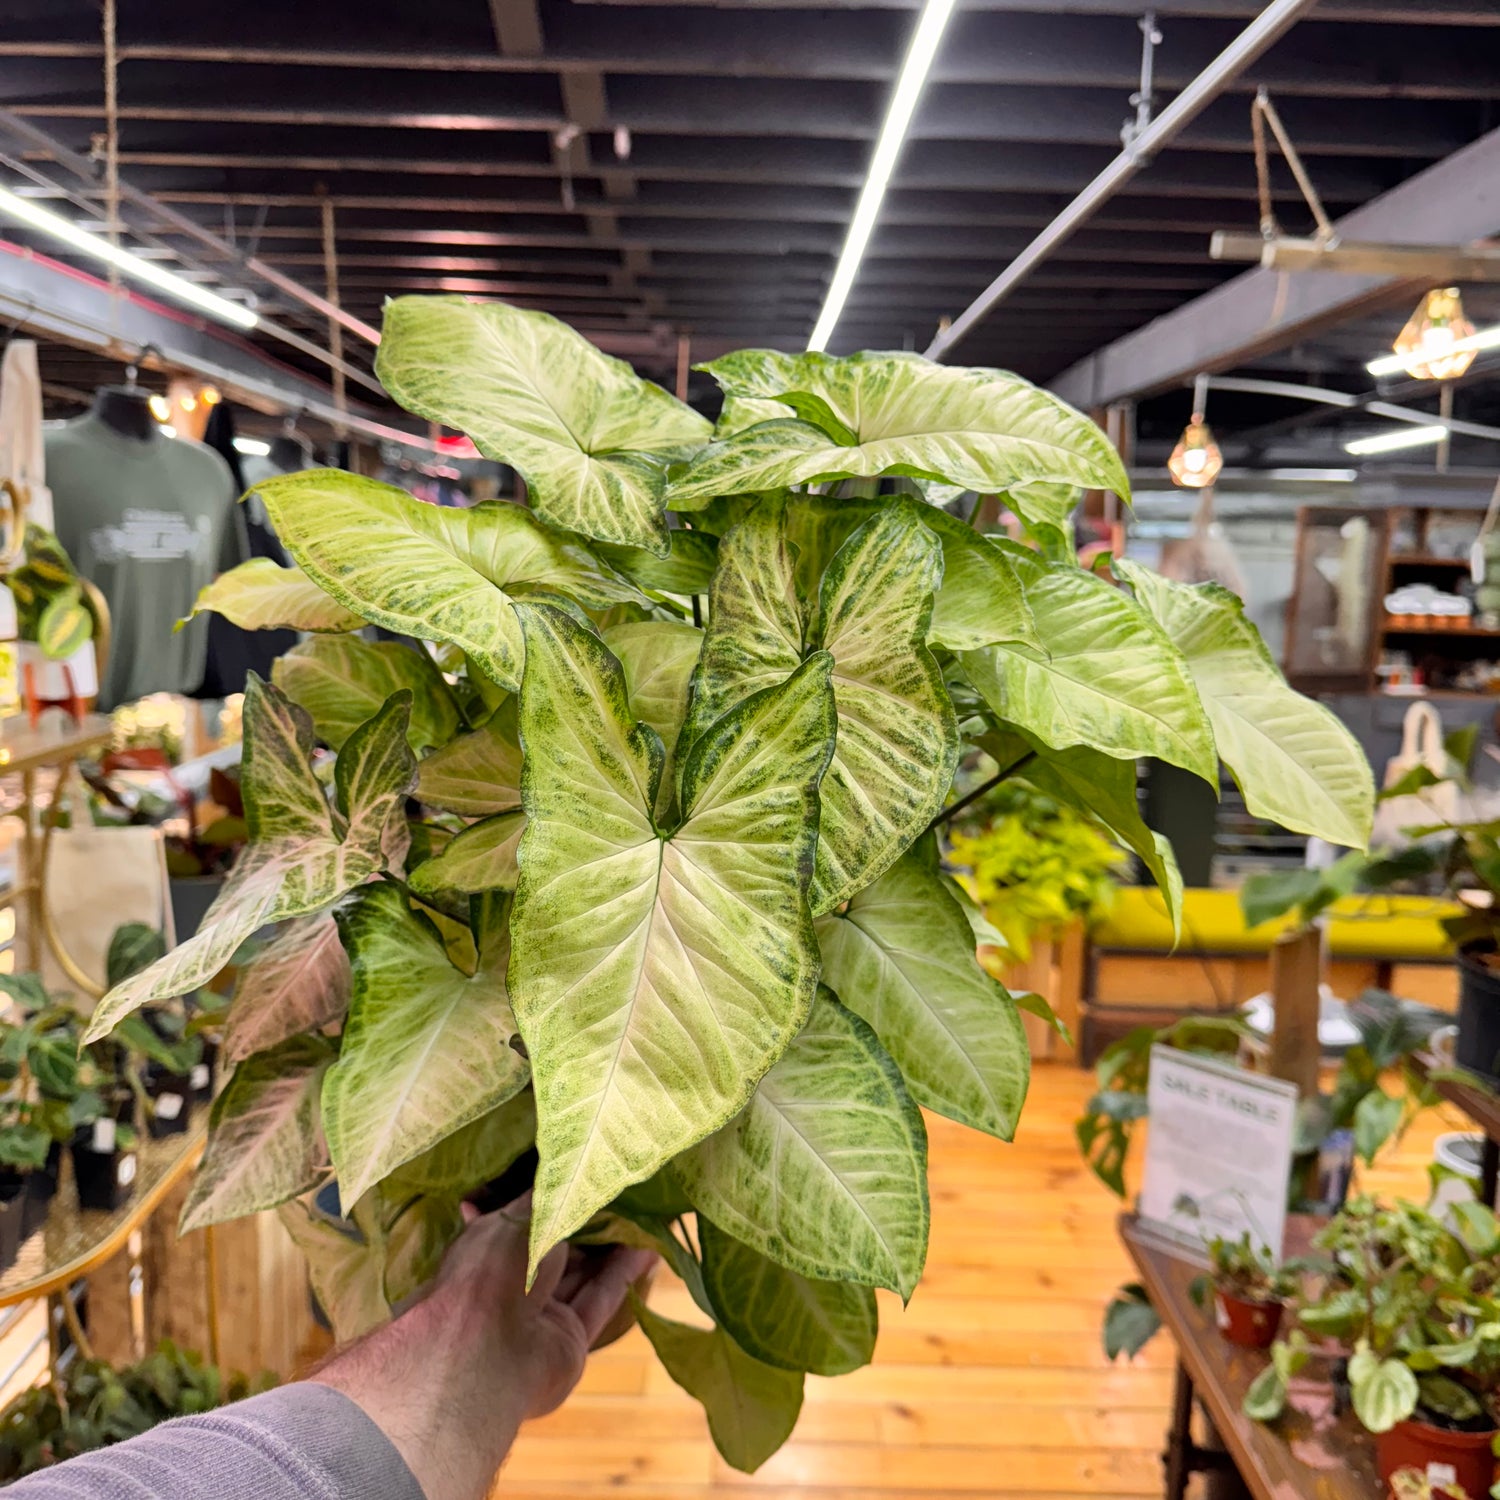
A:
(301, 1442)
(427, 1381)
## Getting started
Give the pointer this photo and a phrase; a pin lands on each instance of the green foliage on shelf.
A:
(696, 712)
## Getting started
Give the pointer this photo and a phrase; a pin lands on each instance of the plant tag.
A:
(125, 1171)
(104, 1135)
(198, 1078)
(168, 1106)
(1441, 1474)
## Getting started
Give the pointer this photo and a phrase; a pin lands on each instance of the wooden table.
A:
(1329, 1460)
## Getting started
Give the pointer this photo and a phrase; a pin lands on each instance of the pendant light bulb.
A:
(1426, 344)
(1196, 460)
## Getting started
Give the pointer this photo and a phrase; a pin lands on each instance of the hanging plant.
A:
(666, 905)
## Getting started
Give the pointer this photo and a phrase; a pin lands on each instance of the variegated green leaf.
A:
(869, 414)
(686, 569)
(475, 1153)
(1108, 678)
(298, 982)
(658, 657)
(262, 595)
(476, 774)
(65, 625)
(825, 1170)
(902, 957)
(781, 1318)
(752, 1407)
(982, 600)
(341, 681)
(345, 1269)
(897, 735)
(303, 854)
(430, 571)
(426, 1048)
(740, 412)
(481, 858)
(629, 948)
(1295, 762)
(416, 1241)
(264, 1142)
(590, 437)
(1100, 787)
(1046, 510)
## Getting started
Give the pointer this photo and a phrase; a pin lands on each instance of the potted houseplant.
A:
(690, 700)
(1249, 1291)
(1410, 1301)
(54, 621)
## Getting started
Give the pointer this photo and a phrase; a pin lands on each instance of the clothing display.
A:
(151, 520)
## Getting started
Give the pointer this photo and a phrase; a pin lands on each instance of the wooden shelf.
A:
(1427, 560)
(23, 748)
(74, 1242)
(1459, 632)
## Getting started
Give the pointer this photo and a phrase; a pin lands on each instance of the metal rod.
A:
(1251, 386)
(111, 137)
(1445, 410)
(1260, 34)
(331, 286)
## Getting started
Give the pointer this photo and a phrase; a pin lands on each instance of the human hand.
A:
(452, 1378)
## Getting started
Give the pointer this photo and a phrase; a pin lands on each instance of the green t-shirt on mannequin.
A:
(151, 520)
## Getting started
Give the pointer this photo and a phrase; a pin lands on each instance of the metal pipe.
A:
(1249, 385)
(1271, 24)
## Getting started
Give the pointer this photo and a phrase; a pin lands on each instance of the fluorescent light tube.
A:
(89, 243)
(909, 85)
(252, 447)
(1402, 437)
(1394, 364)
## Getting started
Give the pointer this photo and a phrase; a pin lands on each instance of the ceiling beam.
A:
(518, 28)
(1457, 200)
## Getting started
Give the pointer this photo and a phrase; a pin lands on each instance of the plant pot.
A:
(1459, 1460)
(172, 1098)
(192, 895)
(201, 1079)
(1251, 1325)
(12, 1210)
(41, 1188)
(1477, 1047)
(105, 1174)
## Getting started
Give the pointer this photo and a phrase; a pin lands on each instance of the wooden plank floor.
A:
(992, 1382)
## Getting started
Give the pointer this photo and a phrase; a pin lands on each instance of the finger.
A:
(599, 1298)
(549, 1273)
(469, 1212)
(580, 1262)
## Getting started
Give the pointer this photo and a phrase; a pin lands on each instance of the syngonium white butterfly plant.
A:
(637, 865)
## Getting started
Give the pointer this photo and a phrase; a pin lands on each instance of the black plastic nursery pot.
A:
(12, 1210)
(105, 1173)
(41, 1188)
(201, 1079)
(172, 1098)
(1478, 1045)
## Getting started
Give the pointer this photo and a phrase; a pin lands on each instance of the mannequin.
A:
(126, 409)
(150, 520)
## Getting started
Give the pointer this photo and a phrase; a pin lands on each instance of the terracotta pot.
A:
(1461, 1461)
(1251, 1325)
(624, 1320)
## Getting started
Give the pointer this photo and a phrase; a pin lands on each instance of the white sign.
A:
(1218, 1150)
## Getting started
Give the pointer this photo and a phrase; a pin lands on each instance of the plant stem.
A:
(948, 813)
(697, 614)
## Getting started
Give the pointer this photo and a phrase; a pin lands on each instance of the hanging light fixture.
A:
(1426, 345)
(1196, 460)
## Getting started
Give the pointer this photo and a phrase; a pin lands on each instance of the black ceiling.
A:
(435, 131)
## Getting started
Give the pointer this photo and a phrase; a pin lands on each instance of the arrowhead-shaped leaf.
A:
(659, 657)
(590, 437)
(298, 982)
(752, 1407)
(342, 681)
(426, 1048)
(902, 958)
(481, 858)
(825, 1170)
(783, 1319)
(686, 569)
(1109, 677)
(475, 1153)
(303, 854)
(982, 600)
(264, 1145)
(476, 774)
(345, 1269)
(1100, 786)
(897, 735)
(630, 948)
(869, 414)
(437, 573)
(262, 595)
(1295, 762)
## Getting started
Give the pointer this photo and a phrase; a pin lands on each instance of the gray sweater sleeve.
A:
(299, 1442)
